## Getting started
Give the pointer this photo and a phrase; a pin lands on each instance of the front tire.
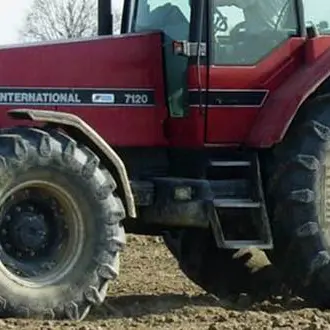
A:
(60, 226)
(299, 199)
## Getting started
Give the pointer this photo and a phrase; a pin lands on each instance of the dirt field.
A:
(153, 294)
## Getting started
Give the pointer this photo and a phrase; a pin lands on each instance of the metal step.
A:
(240, 180)
(244, 244)
(236, 203)
(230, 189)
(220, 163)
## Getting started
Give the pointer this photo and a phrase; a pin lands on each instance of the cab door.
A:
(246, 65)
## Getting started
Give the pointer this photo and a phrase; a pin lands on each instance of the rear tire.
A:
(224, 273)
(60, 228)
(298, 198)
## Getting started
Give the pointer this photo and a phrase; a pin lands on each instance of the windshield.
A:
(171, 17)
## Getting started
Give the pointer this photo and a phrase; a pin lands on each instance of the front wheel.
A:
(299, 203)
(60, 226)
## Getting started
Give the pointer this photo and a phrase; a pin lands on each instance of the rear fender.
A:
(282, 105)
(70, 122)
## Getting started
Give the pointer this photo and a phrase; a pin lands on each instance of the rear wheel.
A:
(299, 199)
(60, 230)
(224, 273)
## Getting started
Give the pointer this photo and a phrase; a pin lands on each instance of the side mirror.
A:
(312, 31)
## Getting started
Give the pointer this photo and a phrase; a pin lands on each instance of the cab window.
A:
(171, 17)
(245, 32)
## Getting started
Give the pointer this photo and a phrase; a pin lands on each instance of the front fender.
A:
(72, 121)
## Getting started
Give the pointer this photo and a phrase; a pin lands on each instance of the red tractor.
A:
(206, 123)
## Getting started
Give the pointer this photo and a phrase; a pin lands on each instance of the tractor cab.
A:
(223, 61)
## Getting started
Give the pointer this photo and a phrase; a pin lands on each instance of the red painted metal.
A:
(131, 61)
(282, 105)
(233, 124)
(290, 73)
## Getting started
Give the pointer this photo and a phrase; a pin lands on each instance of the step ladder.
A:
(248, 204)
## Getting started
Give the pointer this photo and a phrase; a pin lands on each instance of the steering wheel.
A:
(235, 32)
(220, 21)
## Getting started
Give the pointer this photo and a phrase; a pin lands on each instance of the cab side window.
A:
(317, 13)
(245, 34)
(172, 17)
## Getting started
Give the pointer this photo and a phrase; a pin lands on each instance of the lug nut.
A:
(7, 217)
(18, 209)
(4, 232)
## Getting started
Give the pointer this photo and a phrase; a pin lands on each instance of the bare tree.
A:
(60, 19)
(116, 21)
(63, 19)
(323, 26)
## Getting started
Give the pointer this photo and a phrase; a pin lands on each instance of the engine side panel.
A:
(108, 79)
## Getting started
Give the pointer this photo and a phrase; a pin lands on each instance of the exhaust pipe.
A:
(105, 18)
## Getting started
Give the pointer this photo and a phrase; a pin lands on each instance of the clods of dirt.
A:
(152, 293)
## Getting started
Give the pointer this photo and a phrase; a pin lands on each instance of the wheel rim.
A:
(41, 233)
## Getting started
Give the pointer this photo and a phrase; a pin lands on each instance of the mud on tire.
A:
(50, 161)
(298, 198)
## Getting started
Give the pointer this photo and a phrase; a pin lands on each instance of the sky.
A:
(13, 12)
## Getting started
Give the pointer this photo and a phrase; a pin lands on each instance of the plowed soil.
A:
(152, 293)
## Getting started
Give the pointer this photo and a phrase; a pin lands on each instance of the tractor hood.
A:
(115, 83)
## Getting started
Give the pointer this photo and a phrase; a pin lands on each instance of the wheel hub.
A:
(30, 231)
(40, 238)
(32, 227)
(26, 227)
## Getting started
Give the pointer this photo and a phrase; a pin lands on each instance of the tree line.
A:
(63, 19)
(66, 19)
